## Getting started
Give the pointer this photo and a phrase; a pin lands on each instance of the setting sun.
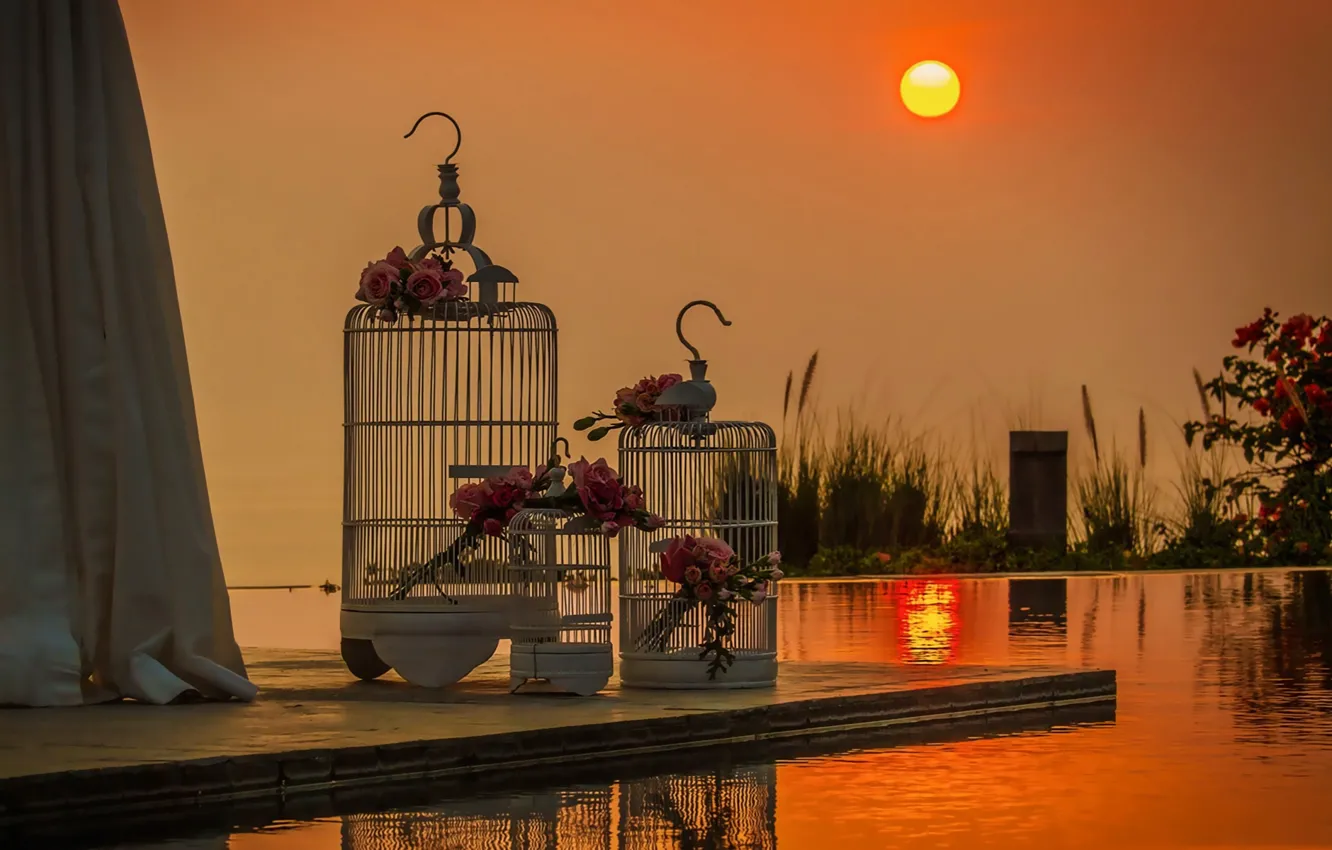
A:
(930, 89)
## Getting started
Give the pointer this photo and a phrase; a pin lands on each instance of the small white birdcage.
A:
(560, 571)
(705, 479)
(463, 391)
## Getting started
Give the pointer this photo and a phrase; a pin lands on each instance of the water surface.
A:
(1222, 736)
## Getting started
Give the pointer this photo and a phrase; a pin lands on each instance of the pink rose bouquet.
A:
(597, 493)
(634, 405)
(396, 284)
(708, 571)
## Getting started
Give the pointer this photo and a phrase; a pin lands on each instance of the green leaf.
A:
(597, 433)
(585, 423)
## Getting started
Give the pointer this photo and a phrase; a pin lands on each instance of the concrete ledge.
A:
(341, 762)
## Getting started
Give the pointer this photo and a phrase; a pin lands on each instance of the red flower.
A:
(1274, 356)
(1316, 394)
(1279, 391)
(1263, 406)
(1248, 334)
(1291, 419)
(678, 557)
(1298, 328)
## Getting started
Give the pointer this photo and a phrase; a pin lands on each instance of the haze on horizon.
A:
(1122, 184)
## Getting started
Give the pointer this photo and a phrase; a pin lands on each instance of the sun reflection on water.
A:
(927, 620)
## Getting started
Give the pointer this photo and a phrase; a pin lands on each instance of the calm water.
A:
(1222, 736)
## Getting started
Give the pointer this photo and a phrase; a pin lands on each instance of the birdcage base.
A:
(684, 671)
(426, 645)
(578, 668)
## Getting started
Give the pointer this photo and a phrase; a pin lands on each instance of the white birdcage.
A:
(704, 478)
(560, 571)
(463, 391)
(735, 807)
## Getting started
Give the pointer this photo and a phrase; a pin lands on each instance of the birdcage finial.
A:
(696, 397)
(679, 324)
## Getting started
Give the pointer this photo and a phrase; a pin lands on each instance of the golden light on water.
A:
(930, 89)
(927, 619)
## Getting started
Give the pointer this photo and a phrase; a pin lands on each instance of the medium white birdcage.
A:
(735, 807)
(560, 571)
(460, 392)
(578, 819)
(704, 478)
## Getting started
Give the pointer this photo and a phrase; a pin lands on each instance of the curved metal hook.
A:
(554, 447)
(679, 323)
(456, 129)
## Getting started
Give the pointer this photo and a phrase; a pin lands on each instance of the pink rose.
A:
(646, 402)
(468, 499)
(678, 557)
(455, 288)
(610, 528)
(377, 282)
(520, 477)
(760, 592)
(398, 259)
(493, 527)
(717, 572)
(633, 498)
(693, 574)
(433, 263)
(654, 522)
(711, 549)
(426, 285)
(776, 573)
(725, 594)
(774, 558)
(598, 487)
(703, 591)
(665, 382)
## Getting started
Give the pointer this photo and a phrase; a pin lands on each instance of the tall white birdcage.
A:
(732, 807)
(463, 390)
(577, 819)
(705, 478)
(560, 571)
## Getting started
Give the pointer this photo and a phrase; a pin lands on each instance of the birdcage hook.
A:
(679, 323)
(448, 159)
(555, 448)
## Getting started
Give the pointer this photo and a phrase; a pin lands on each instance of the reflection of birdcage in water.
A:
(704, 478)
(568, 820)
(560, 572)
(461, 392)
(732, 808)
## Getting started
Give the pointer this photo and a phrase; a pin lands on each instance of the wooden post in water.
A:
(1038, 489)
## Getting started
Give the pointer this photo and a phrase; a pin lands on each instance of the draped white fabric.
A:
(110, 580)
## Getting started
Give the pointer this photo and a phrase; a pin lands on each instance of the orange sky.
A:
(1123, 183)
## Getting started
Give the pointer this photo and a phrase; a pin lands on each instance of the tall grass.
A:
(1115, 504)
(799, 471)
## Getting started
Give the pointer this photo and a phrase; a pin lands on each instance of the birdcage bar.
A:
(560, 572)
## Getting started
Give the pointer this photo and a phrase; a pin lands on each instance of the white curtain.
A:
(110, 581)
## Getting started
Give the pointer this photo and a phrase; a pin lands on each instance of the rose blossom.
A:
(426, 285)
(774, 557)
(377, 280)
(776, 573)
(610, 528)
(455, 288)
(633, 498)
(493, 527)
(468, 499)
(654, 522)
(693, 574)
(703, 591)
(717, 572)
(725, 594)
(598, 487)
(760, 592)
(679, 555)
(398, 259)
(712, 549)
(1262, 406)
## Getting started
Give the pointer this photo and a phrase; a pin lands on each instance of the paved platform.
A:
(316, 729)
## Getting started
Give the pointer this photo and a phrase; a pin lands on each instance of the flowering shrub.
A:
(709, 571)
(1284, 378)
(597, 493)
(396, 285)
(634, 405)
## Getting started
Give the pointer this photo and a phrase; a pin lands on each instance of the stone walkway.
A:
(316, 728)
